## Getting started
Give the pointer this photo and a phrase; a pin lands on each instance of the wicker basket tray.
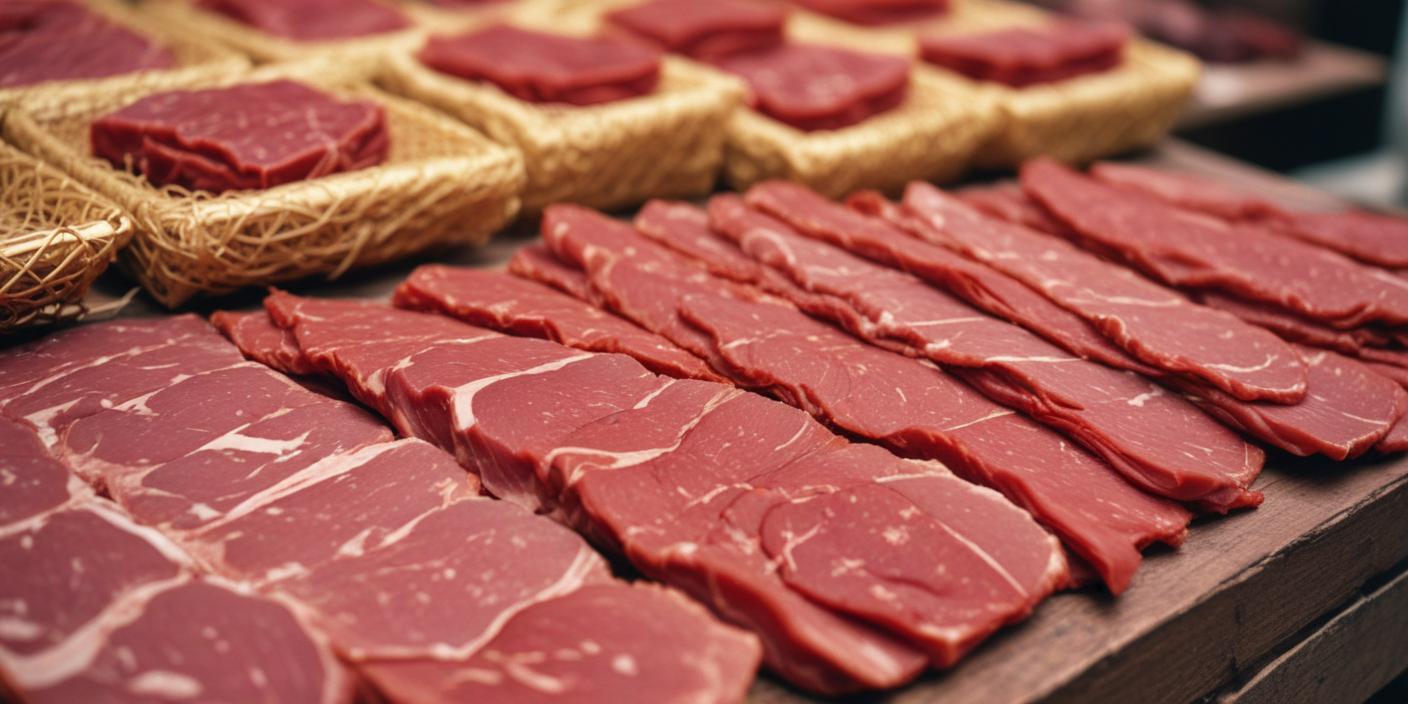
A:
(360, 54)
(1076, 120)
(56, 237)
(196, 60)
(668, 144)
(442, 184)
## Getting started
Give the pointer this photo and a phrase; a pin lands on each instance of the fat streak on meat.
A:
(668, 472)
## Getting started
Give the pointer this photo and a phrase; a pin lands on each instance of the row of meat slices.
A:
(289, 526)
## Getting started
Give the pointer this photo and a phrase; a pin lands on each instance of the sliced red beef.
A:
(1007, 201)
(1295, 328)
(1186, 249)
(813, 87)
(312, 20)
(703, 30)
(34, 483)
(1123, 418)
(1397, 439)
(56, 40)
(1159, 326)
(878, 12)
(248, 136)
(1378, 240)
(1025, 56)
(536, 263)
(547, 68)
(1187, 191)
(254, 333)
(510, 304)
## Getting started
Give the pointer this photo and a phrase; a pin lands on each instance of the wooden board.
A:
(1231, 91)
(1305, 595)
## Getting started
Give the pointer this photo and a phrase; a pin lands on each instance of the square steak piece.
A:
(1025, 56)
(540, 67)
(813, 87)
(255, 135)
(50, 40)
(703, 30)
(312, 20)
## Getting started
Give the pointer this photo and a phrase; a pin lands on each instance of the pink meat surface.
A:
(1007, 201)
(254, 333)
(1159, 326)
(920, 412)
(1025, 56)
(535, 263)
(813, 87)
(1187, 249)
(703, 30)
(1380, 240)
(1187, 191)
(56, 40)
(513, 305)
(639, 462)
(878, 12)
(248, 136)
(1126, 419)
(540, 67)
(312, 20)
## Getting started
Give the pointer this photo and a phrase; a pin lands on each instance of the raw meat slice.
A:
(1159, 326)
(247, 136)
(1186, 249)
(512, 305)
(1374, 239)
(813, 87)
(254, 333)
(1395, 372)
(603, 627)
(1007, 201)
(312, 20)
(917, 410)
(56, 40)
(1187, 191)
(1025, 56)
(877, 12)
(547, 68)
(1147, 433)
(1293, 327)
(703, 30)
(536, 263)
(639, 466)
(34, 483)
(1397, 438)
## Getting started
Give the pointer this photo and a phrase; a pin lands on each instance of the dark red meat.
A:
(255, 135)
(878, 12)
(536, 263)
(1025, 56)
(1187, 191)
(920, 412)
(1159, 326)
(547, 68)
(1380, 240)
(34, 483)
(254, 333)
(813, 87)
(704, 30)
(56, 40)
(510, 304)
(312, 20)
(1007, 201)
(1123, 418)
(1186, 249)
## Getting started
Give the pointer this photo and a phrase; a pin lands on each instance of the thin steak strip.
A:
(908, 405)
(1150, 435)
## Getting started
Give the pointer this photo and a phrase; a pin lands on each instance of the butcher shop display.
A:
(547, 68)
(704, 30)
(56, 40)
(312, 20)
(1025, 56)
(249, 136)
(814, 87)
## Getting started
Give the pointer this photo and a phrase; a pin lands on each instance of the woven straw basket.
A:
(196, 60)
(1076, 120)
(442, 184)
(360, 54)
(56, 237)
(668, 144)
(444, 19)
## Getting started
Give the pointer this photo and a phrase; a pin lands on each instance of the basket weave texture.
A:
(668, 144)
(359, 54)
(56, 237)
(442, 184)
(196, 60)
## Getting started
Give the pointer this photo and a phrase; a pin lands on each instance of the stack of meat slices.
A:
(55, 40)
(1025, 56)
(312, 20)
(703, 30)
(878, 12)
(428, 590)
(540, 67)
(248, 136)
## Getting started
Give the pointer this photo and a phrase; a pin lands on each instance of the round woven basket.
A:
(196, 60)
(56, 237)
(443, 184)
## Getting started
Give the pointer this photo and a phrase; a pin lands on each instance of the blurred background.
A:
(1317, 89)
